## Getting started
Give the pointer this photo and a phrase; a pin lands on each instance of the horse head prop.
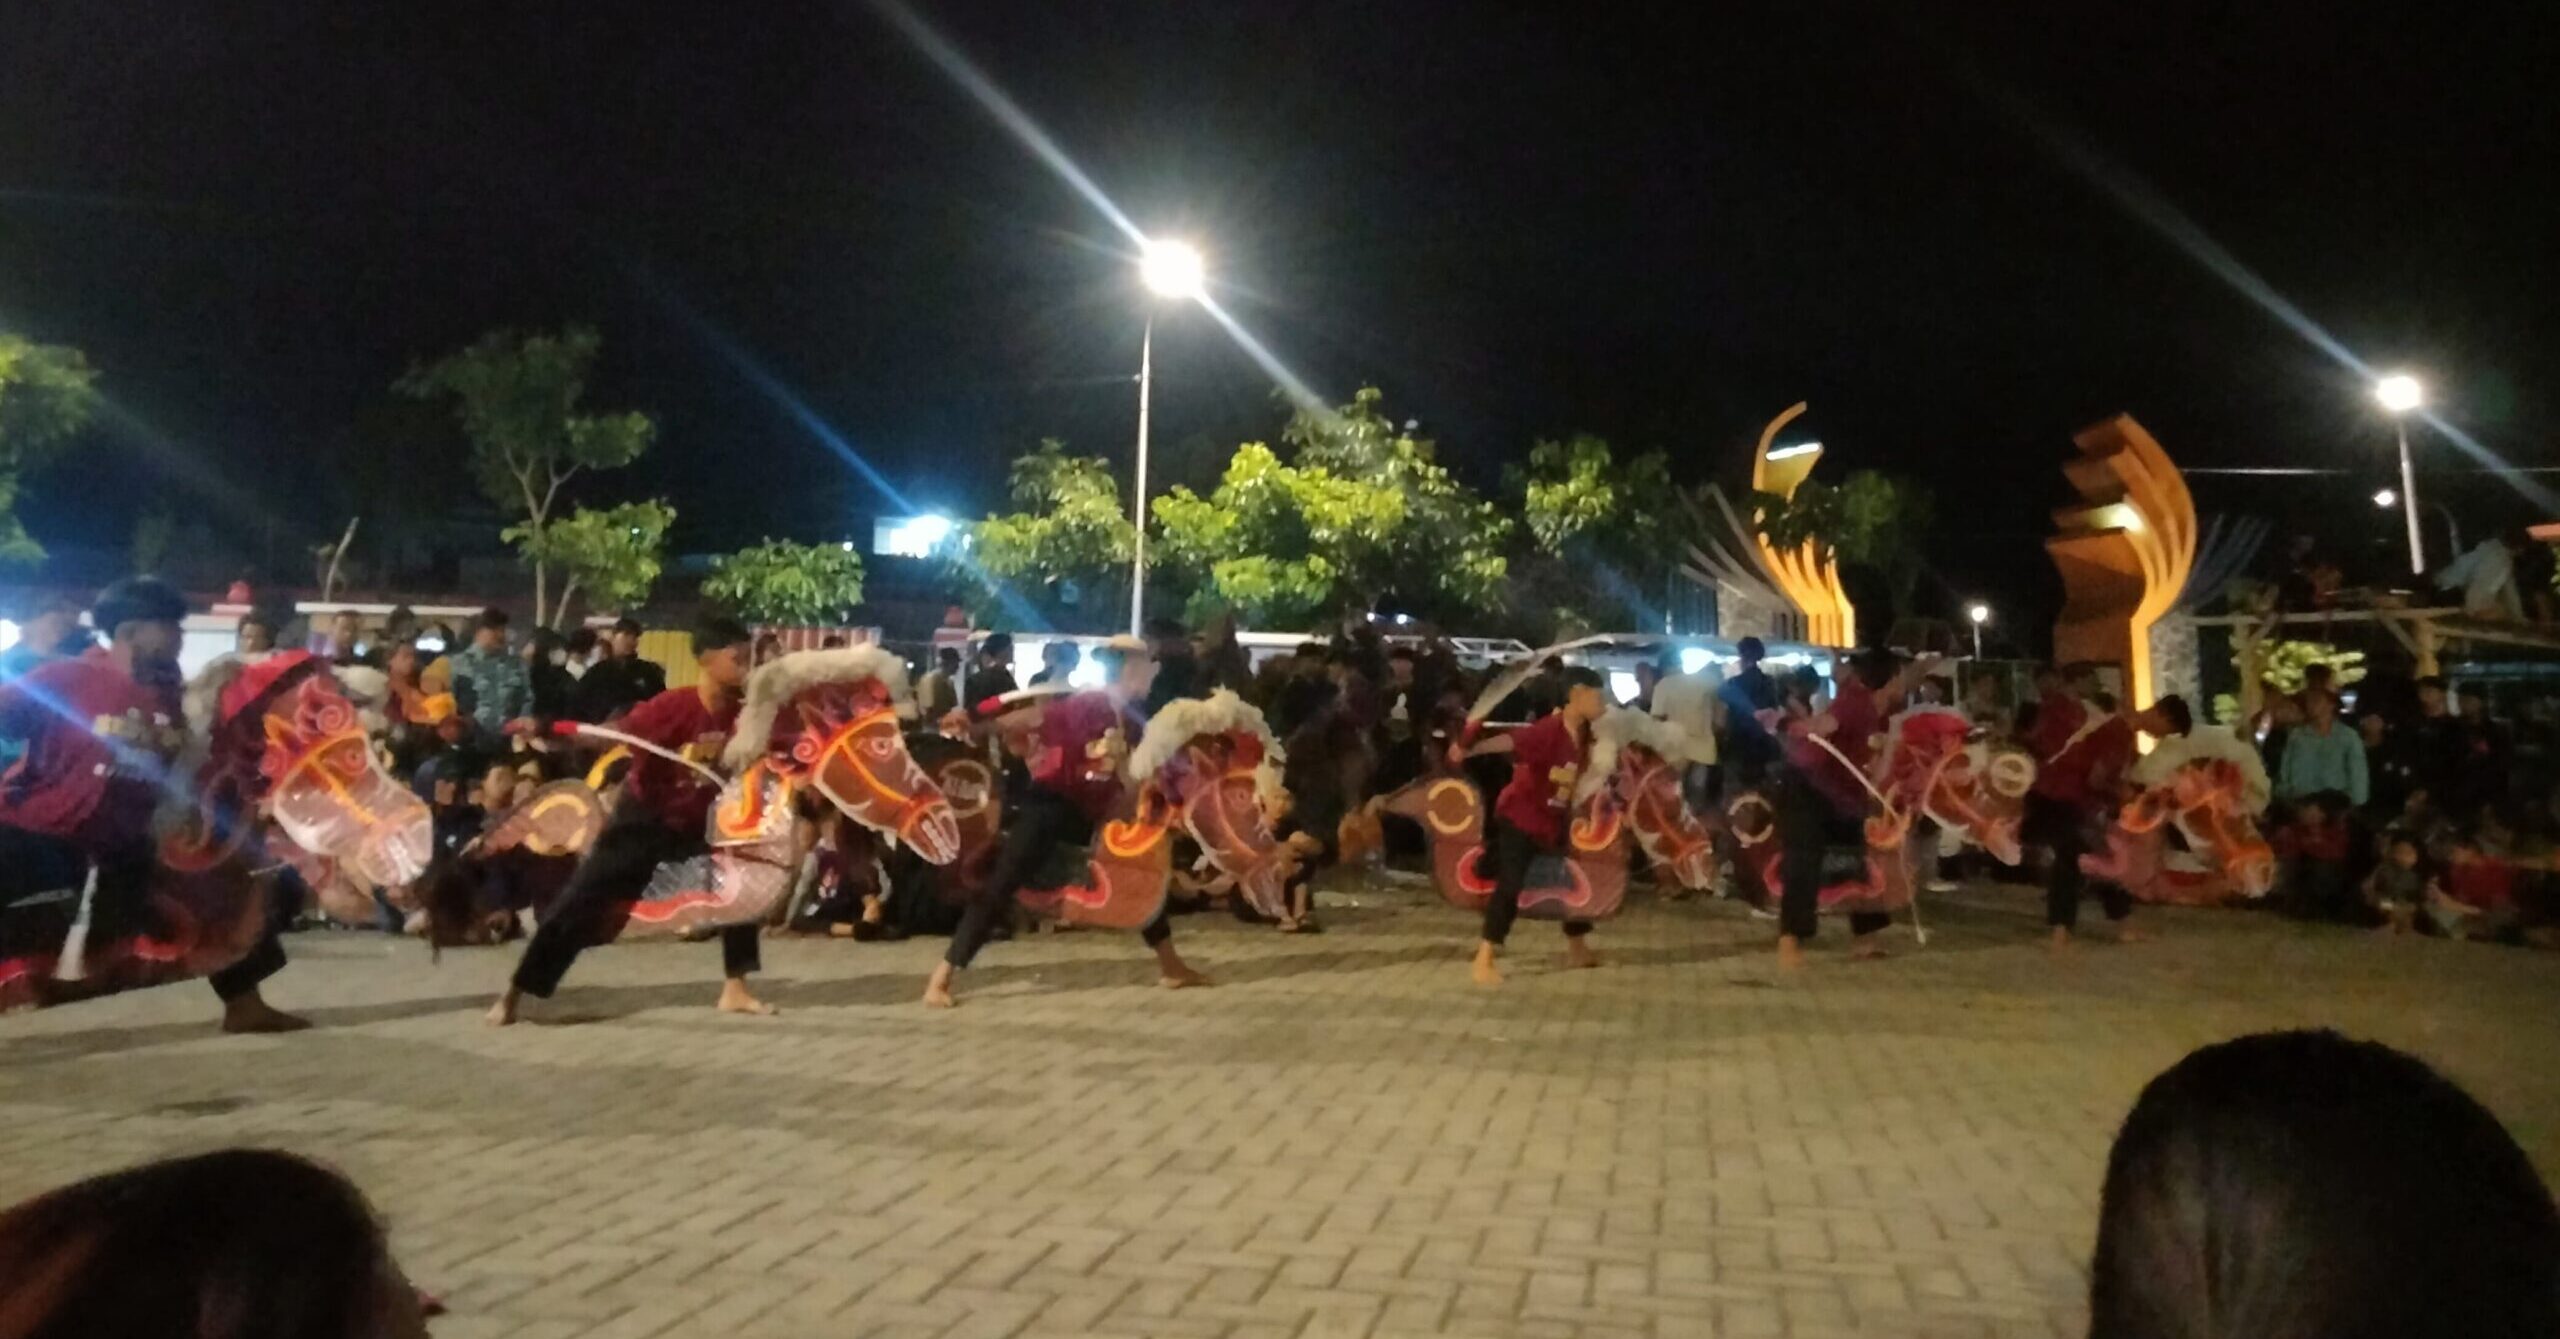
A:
(829, 720)
(282, 735)
(2205, 803)
(1630, 756)
(1973, 788)
(1213, 760)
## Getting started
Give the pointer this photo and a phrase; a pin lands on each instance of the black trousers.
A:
(616, 869)
(34, 864)
(1042, 823)
(1808, 823)
(1513, 852)
(2064, 829)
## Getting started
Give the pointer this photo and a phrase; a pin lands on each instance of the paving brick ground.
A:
(1344, 1139)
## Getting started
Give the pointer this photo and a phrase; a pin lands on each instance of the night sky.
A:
(1662, 224)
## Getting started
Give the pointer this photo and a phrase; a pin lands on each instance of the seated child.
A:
(2401, 886)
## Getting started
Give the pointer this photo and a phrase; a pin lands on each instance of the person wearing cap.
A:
(1085, 739)
(661, 817)
(1533, 812)
(97, 733)
(620, 681)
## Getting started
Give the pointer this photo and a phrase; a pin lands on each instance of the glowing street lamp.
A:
(2385, 498)
(2400, 393)
(1171, 270)
(1977, 613)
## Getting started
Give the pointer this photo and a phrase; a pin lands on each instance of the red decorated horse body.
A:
(1588, 882)
(1201, 769)
(1630, 754)
(279, 734)
(1878, 875)
(823, 720)
(1980, 791)
(1629, 790)
(2204, 802)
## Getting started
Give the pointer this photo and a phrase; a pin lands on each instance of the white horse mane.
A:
(782, 680)
(1175, 723)
(1620, 726)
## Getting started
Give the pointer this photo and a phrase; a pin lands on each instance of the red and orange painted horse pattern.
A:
(1200, 769)
(1925, 768)
(1587, 883)
(2225, 855)
(1630, 790)
(279, 733)
(825, 720)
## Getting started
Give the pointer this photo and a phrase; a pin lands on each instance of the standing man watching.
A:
(1688, 700)
(620, 681)
(493, 680)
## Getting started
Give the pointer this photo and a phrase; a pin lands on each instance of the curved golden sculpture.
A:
(2124, 551)
(1810, 581)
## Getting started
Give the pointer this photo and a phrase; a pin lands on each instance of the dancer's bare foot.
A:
(2126, 934)
(251, 1013)
(1486, 974)
(1790, 953)
(1173, 973)
(503, 1012)
(2061, 942)
(1578, 954)
(937, 988)
(735, 998)
(1866, 948)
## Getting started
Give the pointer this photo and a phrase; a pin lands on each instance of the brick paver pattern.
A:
(1344, 1139)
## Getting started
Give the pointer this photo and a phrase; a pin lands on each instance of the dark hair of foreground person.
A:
(2298, 1185)
(241, 1244)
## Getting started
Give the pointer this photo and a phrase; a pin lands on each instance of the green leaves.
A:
(778, 581)
(1071, 531)
(614, 555)
(516, 397)
(47, 394)
(1362, 510)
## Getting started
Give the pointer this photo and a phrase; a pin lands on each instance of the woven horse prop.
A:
(2225, 856)
(1877, 875)
(822, 721)
(277, 735)
(1200, 770)
(1627, 787)
(1980, 793)
(287, 728)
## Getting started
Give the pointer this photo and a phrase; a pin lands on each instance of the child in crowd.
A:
(2401, 886)
(2312, 853)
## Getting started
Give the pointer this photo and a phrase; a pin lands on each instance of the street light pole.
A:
(2409, 496)
(1138, 507)
(2401, 393)
(1170, 270)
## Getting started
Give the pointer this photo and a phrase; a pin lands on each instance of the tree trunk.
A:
(560, 610)
(541, 592)
(337, 556)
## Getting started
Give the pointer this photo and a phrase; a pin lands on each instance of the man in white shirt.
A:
(2177, 741)
(2486, 576)
(1689, 702)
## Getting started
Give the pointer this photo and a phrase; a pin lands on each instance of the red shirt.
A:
(2059, 716)
(93, 746)
(2087, 772)
(1084, 739)
(677, 720)
(1546, 761)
